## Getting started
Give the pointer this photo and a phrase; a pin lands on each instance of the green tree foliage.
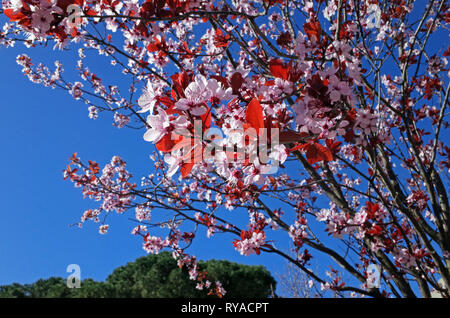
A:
(14, 291)
(54, 287)
(239, 280)
(154, 276)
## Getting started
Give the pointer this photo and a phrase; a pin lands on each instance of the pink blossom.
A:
(42, 19)
(366, 121)
(93, 112)
(143, 213)
(148, 99)
(121, 120)
(249, 246)
(161, 124)
(76, 91)
(153, 244)
(103, 229)
(201, 91)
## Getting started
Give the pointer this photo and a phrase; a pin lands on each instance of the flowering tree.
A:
(322, 120)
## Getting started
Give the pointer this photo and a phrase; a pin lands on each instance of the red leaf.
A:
(236, 82)
(222, 80)
(148, 9)
(152, 47)
(166, 101)
(74, 32)
(287, 137)
(171, 110)
(349, 135)
(174, 94)
(174, 5)
(186, 169)
(317, 152)
(375, 230)
(447, 52)
(333, 146)
(254, 115)
(299, 147)
(91, 12)
(371, 209)
(206, 119)
(284, 39)
(313, 30)
(63, 4)
(14, 16)
(278, 69)
(181, 81)
(157, 45)
(220, 40)
(166, 144)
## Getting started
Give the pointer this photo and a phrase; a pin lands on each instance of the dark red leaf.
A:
(333, 146)
(287, 137)
(317, 152)
(313, 30)
(236, 82)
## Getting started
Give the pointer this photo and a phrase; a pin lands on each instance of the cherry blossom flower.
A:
(148, 99)
(103, 228)
(174, 162)
(217, 91)
(366, 121)
(250, 245)
(76, 91)
(201, 91)
(162, 124)
(154, 244)
(93, 112)
(42, 19)
(121, 120)
(338, 89)
(143, 213)
(15, 5)
(42, 15)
